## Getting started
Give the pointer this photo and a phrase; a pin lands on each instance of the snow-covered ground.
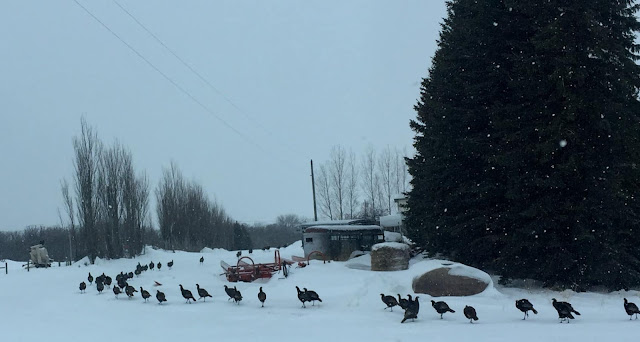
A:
(46, 305)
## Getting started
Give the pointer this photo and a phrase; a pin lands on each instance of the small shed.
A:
(337, 242)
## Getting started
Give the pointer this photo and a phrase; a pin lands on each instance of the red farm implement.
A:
(249, 271)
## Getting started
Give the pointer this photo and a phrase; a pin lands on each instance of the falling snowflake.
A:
(563, 143)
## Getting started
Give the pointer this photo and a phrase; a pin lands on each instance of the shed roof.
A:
(326, 228)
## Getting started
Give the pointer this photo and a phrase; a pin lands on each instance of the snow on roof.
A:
(394, 245)
(343, 227)
(334, 222)
(391, 220)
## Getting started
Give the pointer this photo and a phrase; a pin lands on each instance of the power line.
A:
(184, 91)
(195, 72)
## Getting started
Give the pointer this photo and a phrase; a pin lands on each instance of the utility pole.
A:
(313, 186)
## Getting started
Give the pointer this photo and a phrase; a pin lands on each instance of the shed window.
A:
(308, 240)
(335, 237)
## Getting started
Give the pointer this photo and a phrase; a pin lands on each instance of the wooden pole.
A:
(6, 269)
(313, 186)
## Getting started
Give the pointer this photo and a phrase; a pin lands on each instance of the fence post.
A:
(6, 268)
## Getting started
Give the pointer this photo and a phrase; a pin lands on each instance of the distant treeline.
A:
(15, 245)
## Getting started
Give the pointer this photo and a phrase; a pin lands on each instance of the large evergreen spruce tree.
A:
(527, 140)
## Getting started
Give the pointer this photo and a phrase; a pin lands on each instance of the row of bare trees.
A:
(188, 220)
(348, 187)
(107, 211)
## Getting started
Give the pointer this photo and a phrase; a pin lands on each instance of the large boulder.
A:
(389, 256)
(452, 280)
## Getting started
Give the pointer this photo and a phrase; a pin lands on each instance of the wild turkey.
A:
(390, 301)
(159, 265)
(144, 293)
(186, 294)
(107, 281)
(116, 291)
(129, 290)
(170, 264)
(413, 303)
(202, 292)
(564, 310)
(441, 308)
(122, 283)
(402, 302)
(138, 271)
(525, 306)
(230, 292)
(302, 297)
(470, 313)
(312, 296)
(151, 265)
(413, 307)
(90, 278)
(100, 278)
(99, 286)
(201, 260)
(262, 296)
(237, 296)
(631, 309)
(160, 297)
(83, 286)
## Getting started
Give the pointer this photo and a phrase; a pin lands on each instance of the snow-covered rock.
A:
(452, 279)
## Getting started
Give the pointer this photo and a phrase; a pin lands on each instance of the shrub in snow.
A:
(389, 256)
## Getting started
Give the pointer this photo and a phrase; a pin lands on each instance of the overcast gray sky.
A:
(294, 78)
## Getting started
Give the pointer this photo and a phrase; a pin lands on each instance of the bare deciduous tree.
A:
(323, 186)
(370, 183)
(351, 185)
(87, 151)
(386, 169)
(337, 170)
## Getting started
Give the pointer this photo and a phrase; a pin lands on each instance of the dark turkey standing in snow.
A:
(312, 296)
(237, 296)
(159, 265)
(262, 296)
(170, 264)
(90, 278)
(129, 290)
(116, 291)
(230, 292)
(107, 281)
(441, 307)
(564, 310)
(186, 294)
(525, 306)
(151, 265)
(160, 297)
(144, 293)
(402, 302)
(470, 313)
(83, 286)
(201, 259)
(301, 297)
(202, 292)
(413, 307)
(99, 286)
(631, 309)
(390, 301)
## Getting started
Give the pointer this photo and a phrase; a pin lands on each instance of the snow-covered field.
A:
(46, 305)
